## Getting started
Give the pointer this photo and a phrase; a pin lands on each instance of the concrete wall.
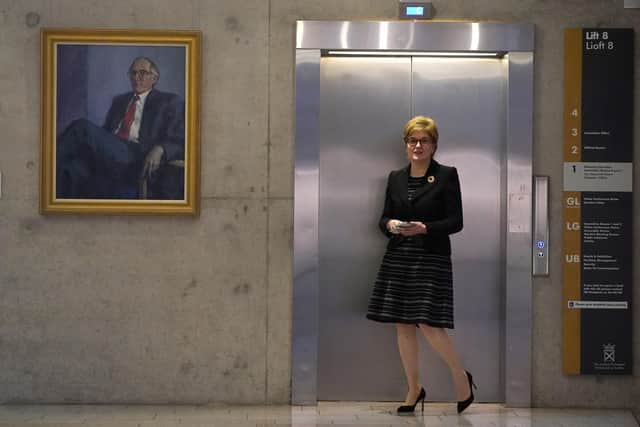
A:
(128, 309)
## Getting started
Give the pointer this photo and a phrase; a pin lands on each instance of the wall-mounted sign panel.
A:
(598, 179)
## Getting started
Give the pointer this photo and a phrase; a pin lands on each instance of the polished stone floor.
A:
(325, 414)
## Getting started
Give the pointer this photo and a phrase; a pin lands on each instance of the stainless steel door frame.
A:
(515, 40)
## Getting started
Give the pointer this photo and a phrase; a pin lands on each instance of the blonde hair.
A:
(423, 124)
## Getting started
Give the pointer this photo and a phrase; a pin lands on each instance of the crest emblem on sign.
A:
(609, 352)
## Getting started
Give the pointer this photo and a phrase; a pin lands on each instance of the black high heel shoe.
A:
(462, 405)
(407, 409)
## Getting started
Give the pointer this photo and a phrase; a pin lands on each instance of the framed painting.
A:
(120, 121)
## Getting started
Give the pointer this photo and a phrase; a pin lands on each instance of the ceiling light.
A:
(411, 53)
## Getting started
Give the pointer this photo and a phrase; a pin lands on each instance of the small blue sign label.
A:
(415, 11)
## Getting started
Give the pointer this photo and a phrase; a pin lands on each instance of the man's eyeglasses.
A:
(412, 142)
(143, 74)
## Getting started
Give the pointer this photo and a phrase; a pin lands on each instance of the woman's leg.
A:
(440, 341)
(408, 346)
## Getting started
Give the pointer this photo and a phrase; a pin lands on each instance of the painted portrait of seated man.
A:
(137, 153)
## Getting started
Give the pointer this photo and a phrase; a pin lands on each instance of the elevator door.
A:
(364, 104)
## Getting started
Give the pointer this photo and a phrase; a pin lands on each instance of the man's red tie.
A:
(125, 126)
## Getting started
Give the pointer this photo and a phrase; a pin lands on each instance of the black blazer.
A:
(438, 205)
(162, 122)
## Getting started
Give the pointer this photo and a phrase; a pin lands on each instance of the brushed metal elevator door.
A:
(364, 103)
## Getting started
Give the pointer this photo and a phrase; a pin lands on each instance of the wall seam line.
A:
(268, 219)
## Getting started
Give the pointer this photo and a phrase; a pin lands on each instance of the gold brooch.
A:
(430, 179)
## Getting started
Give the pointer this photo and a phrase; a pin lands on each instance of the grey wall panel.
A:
(467, 98)
(364, 104)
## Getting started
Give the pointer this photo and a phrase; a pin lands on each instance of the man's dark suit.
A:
(438, 205)
(93, 163)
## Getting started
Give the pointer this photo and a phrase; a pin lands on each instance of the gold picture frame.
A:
(120, 122)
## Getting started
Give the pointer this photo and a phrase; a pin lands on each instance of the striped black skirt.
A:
(413, 287)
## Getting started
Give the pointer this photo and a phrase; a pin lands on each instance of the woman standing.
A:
(423, 205)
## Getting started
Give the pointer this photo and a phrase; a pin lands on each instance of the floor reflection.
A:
(369, 414)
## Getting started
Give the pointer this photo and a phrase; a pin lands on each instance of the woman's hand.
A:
(413, 229)
(393, 226)
(406, 228)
